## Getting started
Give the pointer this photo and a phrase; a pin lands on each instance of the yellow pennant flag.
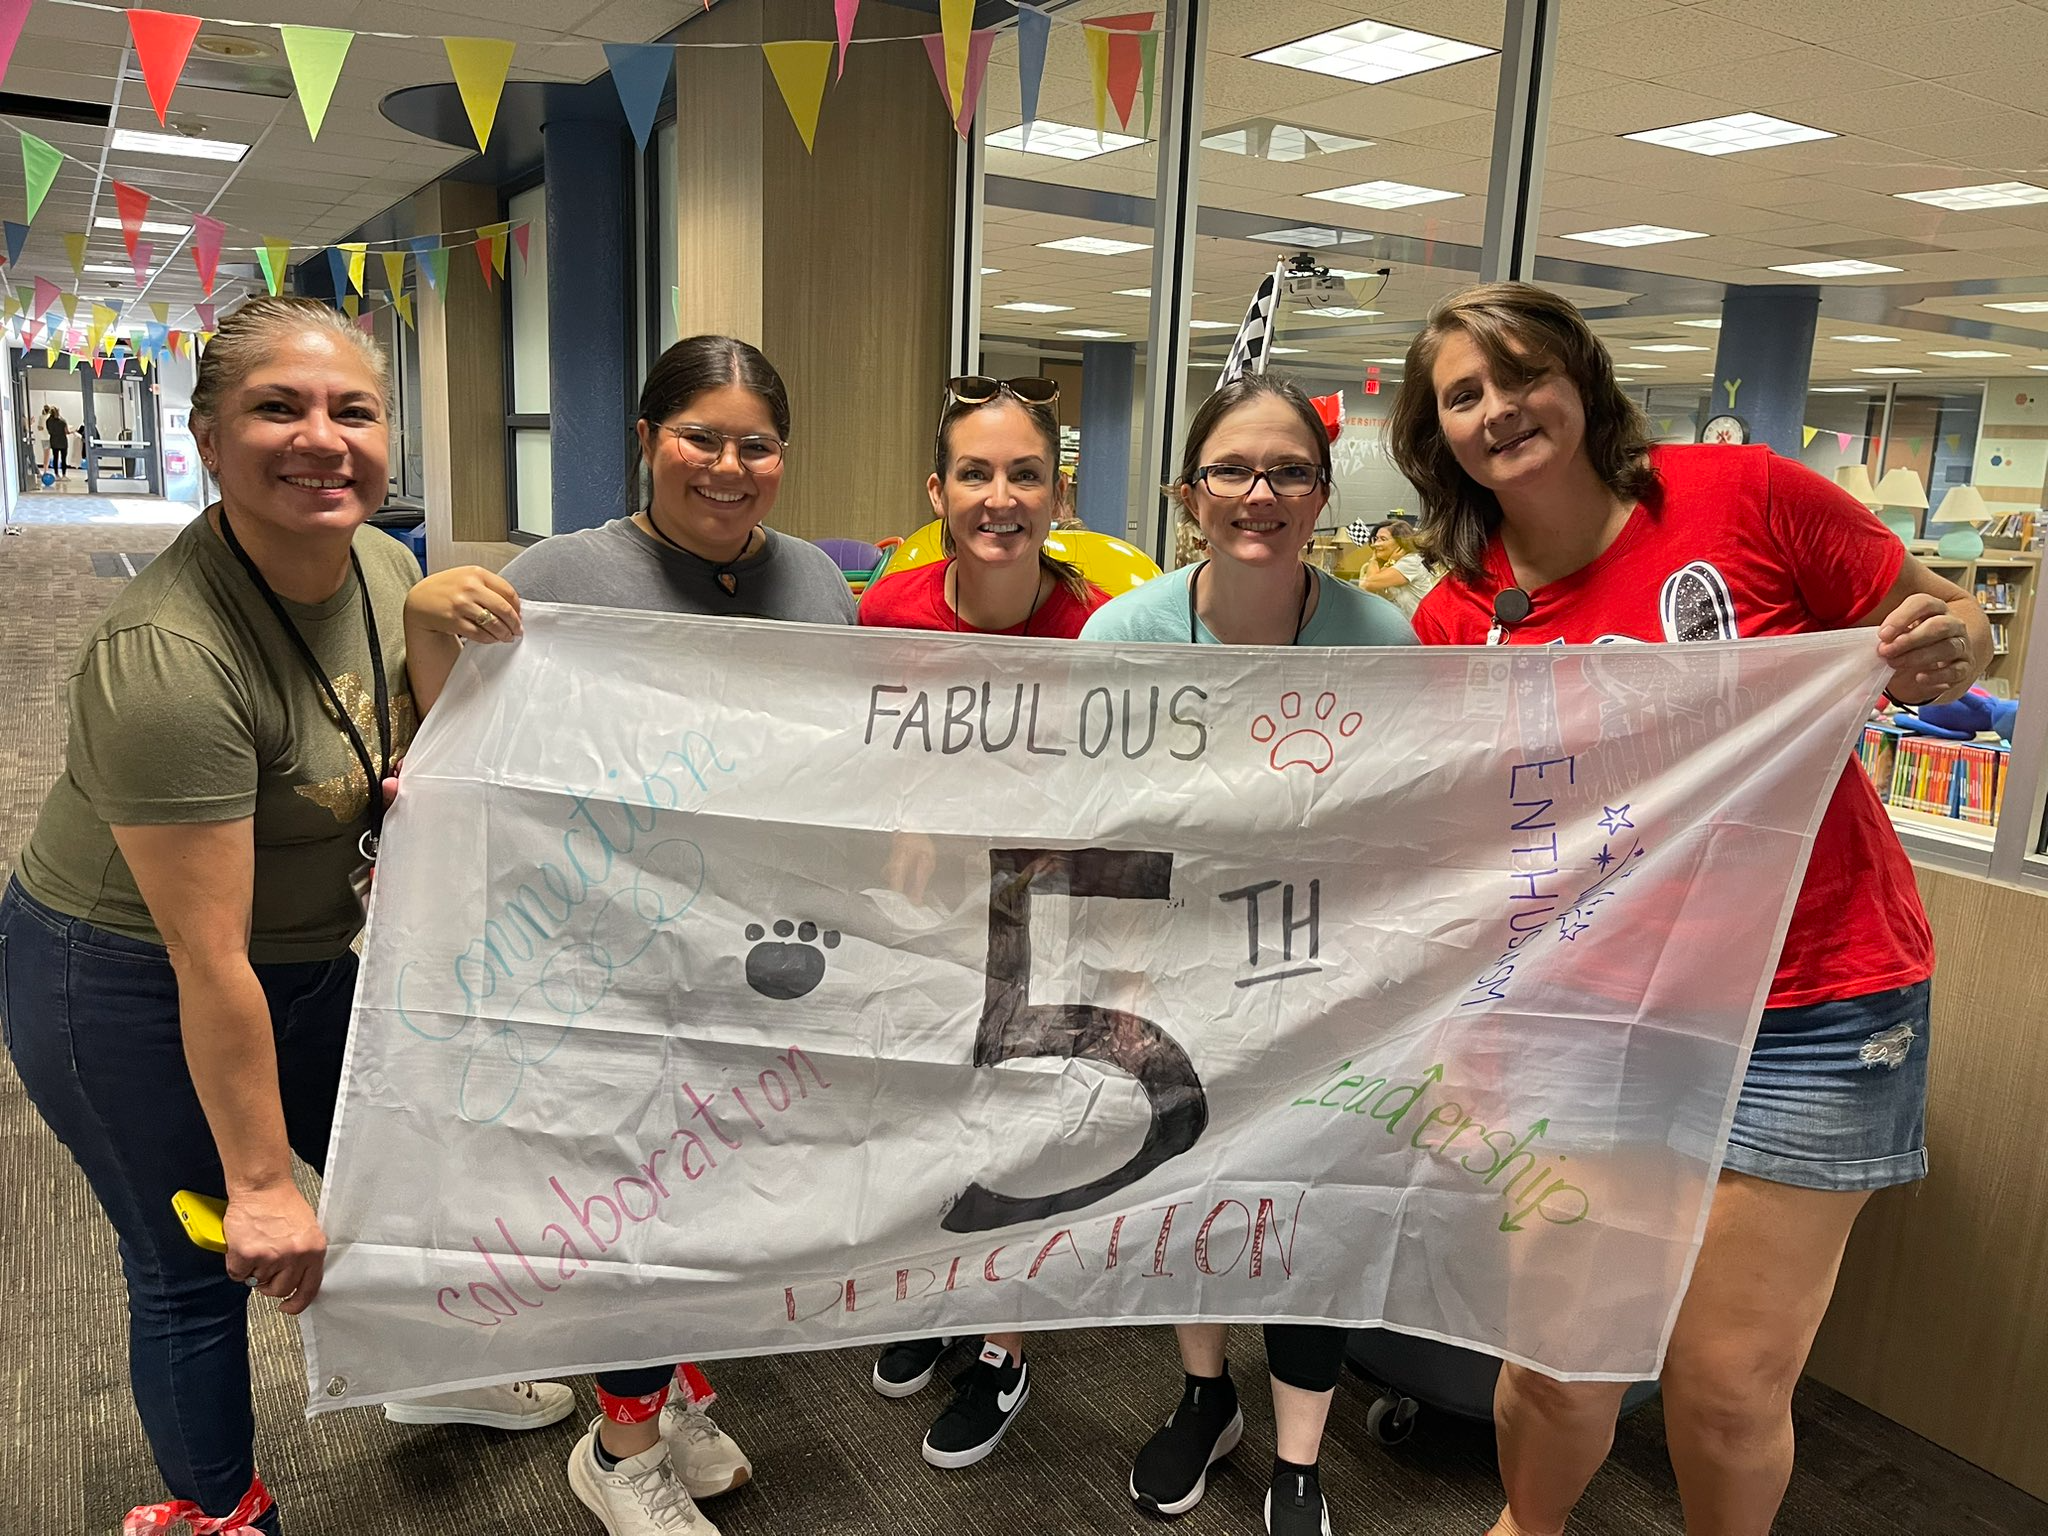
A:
(394, 269)
(277, 255)
(358, 253)
(70, 306)
(1810, 433)
(800, 70)
(352, 305)
(1098, 74)
(495, 235)
(480, 65)
(103, 320)
(12, 308)
(162, 313)
(74, 247)
(405, 310)
(50, 355)
(142, 360)
(956, 22)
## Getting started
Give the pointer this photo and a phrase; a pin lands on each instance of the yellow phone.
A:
(201, 1215)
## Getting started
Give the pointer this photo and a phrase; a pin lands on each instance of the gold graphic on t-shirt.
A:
(347, 795)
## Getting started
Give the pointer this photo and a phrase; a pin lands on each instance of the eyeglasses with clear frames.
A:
(1233, 482)
(703, 446)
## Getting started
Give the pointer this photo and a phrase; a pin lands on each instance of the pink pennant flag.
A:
(1842, 442)
(366, 322)
(139, 255)
(206, 322)
(846, 10)
(47, 298)
(206, 238)
(978, 49)
(12, 14)
(519, 238)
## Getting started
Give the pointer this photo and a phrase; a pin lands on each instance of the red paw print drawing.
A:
(1305, 742)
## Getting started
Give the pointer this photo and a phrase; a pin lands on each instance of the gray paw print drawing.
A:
(783, 970)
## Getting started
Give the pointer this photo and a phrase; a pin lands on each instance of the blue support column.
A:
(1109, 377)
(1766, 352)
(591, 390)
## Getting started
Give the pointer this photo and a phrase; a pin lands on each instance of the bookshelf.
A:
(2005, 583)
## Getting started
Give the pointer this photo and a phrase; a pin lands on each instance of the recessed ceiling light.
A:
(1973, 353)
(1703, 325)
(1863, 340)
(1146, 293)
(1371, 52)
(1343, 312)
(1835, 268)
(1658, 366)
(1383, 195)
(1730, 135)
(136, 141)
(1313, 236)
(1210, 325)
(1671, 346)
(1840, 389)
(1996, 194)
(1637, 234)
(1289, 351)
(1093, 335)
(2038, 367)
(1884, 370)
(109, 266)
(990, 271)
(2023, 306)
(1095, 245)
(1026, 306)
(1281, 141)
(1395, 360)
(1062, 141)
(149, 226)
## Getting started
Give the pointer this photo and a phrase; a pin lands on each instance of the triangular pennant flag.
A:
(17, 236)
(1914, 445)
(423, 247)
(640, 74)
(435, 265)
(977, 71)
(844, 12)
(315, 55)
(139, 260)
(1033, 29)
(521, 233)
(337, 273)
(480, 65)
(367, 324)
(956, 24)
(800, 69)
(142, 361)
(98, 363)
(103, 320)
(74, 247)
(493, 235)
(405, 311)
(275, 256)
(1842, 440)
(357, 254)
(133, 205)
(1126, 65)
(351, 305)
(1098, 74)
(482, 247)
(71, 307)
(46, 299)
(1148, 46)
(40, 163)
(206, 238)
(1808, 434)
(12, 14)
(10, 307)
(162, 313)
(206, 321)
(162, 40)
(177, 342)
(1954, 441)
(394, 269)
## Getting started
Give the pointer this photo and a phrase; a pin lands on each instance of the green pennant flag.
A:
(40, 163)
(1149, 46)
(437, 264)
(315, 55)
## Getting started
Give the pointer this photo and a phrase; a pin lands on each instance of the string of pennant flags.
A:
(1844, 441)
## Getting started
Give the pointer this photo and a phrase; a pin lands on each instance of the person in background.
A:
(1255, 476)
(996, 489)
(1538, 477)
(1397, 570)
(178, 973)
(58, 431)
(712, 432)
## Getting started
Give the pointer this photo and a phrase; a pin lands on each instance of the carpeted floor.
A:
(831, 1458)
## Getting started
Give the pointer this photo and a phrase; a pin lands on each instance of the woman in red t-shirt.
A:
(996, 489)
(1560, 522)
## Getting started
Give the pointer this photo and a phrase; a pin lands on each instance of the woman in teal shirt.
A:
(1255, 476)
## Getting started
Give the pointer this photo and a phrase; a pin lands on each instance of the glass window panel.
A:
(665, 269)
(529, 288)
(533, 472)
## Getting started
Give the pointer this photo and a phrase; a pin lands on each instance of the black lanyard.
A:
(367, 845)
(1300, 619)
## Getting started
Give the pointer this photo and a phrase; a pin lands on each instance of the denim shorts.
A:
(1836, 1094)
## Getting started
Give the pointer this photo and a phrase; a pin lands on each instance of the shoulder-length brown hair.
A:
(1524, 333)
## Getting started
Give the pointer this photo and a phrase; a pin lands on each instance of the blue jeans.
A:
(91, 1020)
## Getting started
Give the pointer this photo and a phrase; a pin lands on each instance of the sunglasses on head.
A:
(974, 389)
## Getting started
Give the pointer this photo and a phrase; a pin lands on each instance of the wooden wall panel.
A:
(1941, 1317)
(462, 391)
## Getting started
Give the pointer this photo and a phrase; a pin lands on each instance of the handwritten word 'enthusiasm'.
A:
(1209, 1251)
(1533, 863)
(965, 717)
(602, 1219)
(1526, 1191)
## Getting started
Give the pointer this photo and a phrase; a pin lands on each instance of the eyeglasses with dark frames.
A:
(1233, 482)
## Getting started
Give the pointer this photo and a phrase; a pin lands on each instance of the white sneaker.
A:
(641, 1496)
(706, 1458)
(510, 1405)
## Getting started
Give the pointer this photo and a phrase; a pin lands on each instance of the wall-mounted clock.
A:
(1725, 429)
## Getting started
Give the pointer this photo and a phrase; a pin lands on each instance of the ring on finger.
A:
(485, 616)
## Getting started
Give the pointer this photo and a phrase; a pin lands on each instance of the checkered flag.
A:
(1255, 337)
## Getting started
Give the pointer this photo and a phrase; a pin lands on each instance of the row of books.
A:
(2012, 525)
(1997, 594)
(1962, 780)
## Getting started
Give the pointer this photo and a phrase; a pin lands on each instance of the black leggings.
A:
(644, 1381)
(1306, 1356)
(58, 460)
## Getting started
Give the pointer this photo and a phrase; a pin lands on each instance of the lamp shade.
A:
(1855, 479)
(1963, 504)
(1902, 488)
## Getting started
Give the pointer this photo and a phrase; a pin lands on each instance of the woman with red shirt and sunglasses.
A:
(1561, 523)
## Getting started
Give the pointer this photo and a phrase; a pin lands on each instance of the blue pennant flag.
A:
(337, 264)
(640, 72)
(16, 235)
(1032, 29)
(424, 246)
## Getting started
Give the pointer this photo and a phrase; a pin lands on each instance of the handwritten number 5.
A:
(1013, 1028)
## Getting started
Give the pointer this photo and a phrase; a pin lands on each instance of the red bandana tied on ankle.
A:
(152, 1518)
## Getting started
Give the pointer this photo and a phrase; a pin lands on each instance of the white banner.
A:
(740, 987)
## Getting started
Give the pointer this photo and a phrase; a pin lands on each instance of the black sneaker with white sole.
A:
(1172, 1472)
(987, 1397)
(1295, 1506)
(905, 1367)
